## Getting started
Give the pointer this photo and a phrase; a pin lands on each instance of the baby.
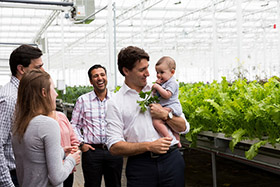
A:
(167, 88)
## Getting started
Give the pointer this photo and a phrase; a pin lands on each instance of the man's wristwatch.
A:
(170, 115)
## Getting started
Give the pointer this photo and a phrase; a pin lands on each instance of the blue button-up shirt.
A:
(8, 99)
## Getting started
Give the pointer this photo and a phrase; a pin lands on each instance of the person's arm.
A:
(58, 170)
(116, 141)
(77, 119)
(6, 113)
(69, 140)
(166, 94)
(73, 138)
(159, 146)
(177, 123)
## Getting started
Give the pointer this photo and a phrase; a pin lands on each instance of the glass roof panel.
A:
(158, 25)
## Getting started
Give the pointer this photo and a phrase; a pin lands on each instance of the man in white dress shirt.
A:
(152, 160)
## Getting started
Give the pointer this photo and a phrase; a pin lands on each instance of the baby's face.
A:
(163, 72)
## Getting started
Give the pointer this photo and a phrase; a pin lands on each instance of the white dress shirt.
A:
(125, 121)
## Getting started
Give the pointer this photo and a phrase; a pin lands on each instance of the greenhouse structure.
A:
(227, 55)
(208, 39)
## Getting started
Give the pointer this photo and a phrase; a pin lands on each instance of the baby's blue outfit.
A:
(173, 102)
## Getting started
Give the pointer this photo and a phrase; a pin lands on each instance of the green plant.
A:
(72, 93)
(148, 99)
(241, 110)
(117, 89)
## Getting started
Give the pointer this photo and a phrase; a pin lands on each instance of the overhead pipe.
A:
(30, 6)
(95, 30)
(38, 2)
(6, 43)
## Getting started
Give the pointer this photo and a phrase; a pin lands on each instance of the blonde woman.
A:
(40, 159)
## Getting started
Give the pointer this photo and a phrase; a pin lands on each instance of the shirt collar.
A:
(148, 87)
(170, 80)
(15, 81)
(108, 96)
(126, 88)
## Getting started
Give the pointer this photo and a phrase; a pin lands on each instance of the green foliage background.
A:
(72, 93)
(241, 110)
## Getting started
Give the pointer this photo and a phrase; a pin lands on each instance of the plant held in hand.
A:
(148, 99)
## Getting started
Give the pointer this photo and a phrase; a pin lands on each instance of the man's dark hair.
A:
(128, 56)
(23, 56)
(96, 66)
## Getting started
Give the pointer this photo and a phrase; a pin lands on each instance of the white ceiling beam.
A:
(44, 26)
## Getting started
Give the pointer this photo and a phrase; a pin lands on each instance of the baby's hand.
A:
(158, 81)
(155, 87)
(154, 92)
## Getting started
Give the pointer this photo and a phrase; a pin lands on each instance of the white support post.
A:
(47, 54)
(110, 44)
(115, 45)
(264, 62)
(162, 38)
(239, 31)
(69, 67)
(141, 23)
(214, 43)
(62, 50)
(278, 31)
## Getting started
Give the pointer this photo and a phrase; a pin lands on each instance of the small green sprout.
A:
(148, 99)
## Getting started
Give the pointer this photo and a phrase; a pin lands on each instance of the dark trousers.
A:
(14, 177)
(69, 181)
(100, 162)
(165, 171)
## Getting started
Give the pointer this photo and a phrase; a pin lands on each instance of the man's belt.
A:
(99, 146)
(171, 148)
(155, 155)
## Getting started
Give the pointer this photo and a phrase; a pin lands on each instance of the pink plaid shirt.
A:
(88, 118)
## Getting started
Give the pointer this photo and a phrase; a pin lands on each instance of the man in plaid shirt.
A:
(22, 59)
(88, 121)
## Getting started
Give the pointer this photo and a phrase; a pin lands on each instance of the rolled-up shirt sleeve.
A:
(115, 125)
(187, 125)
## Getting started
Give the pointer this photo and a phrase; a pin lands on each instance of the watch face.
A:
(170, 115)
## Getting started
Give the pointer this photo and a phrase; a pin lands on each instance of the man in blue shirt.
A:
(23, 59)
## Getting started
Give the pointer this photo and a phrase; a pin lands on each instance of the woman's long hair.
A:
(31, 101)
